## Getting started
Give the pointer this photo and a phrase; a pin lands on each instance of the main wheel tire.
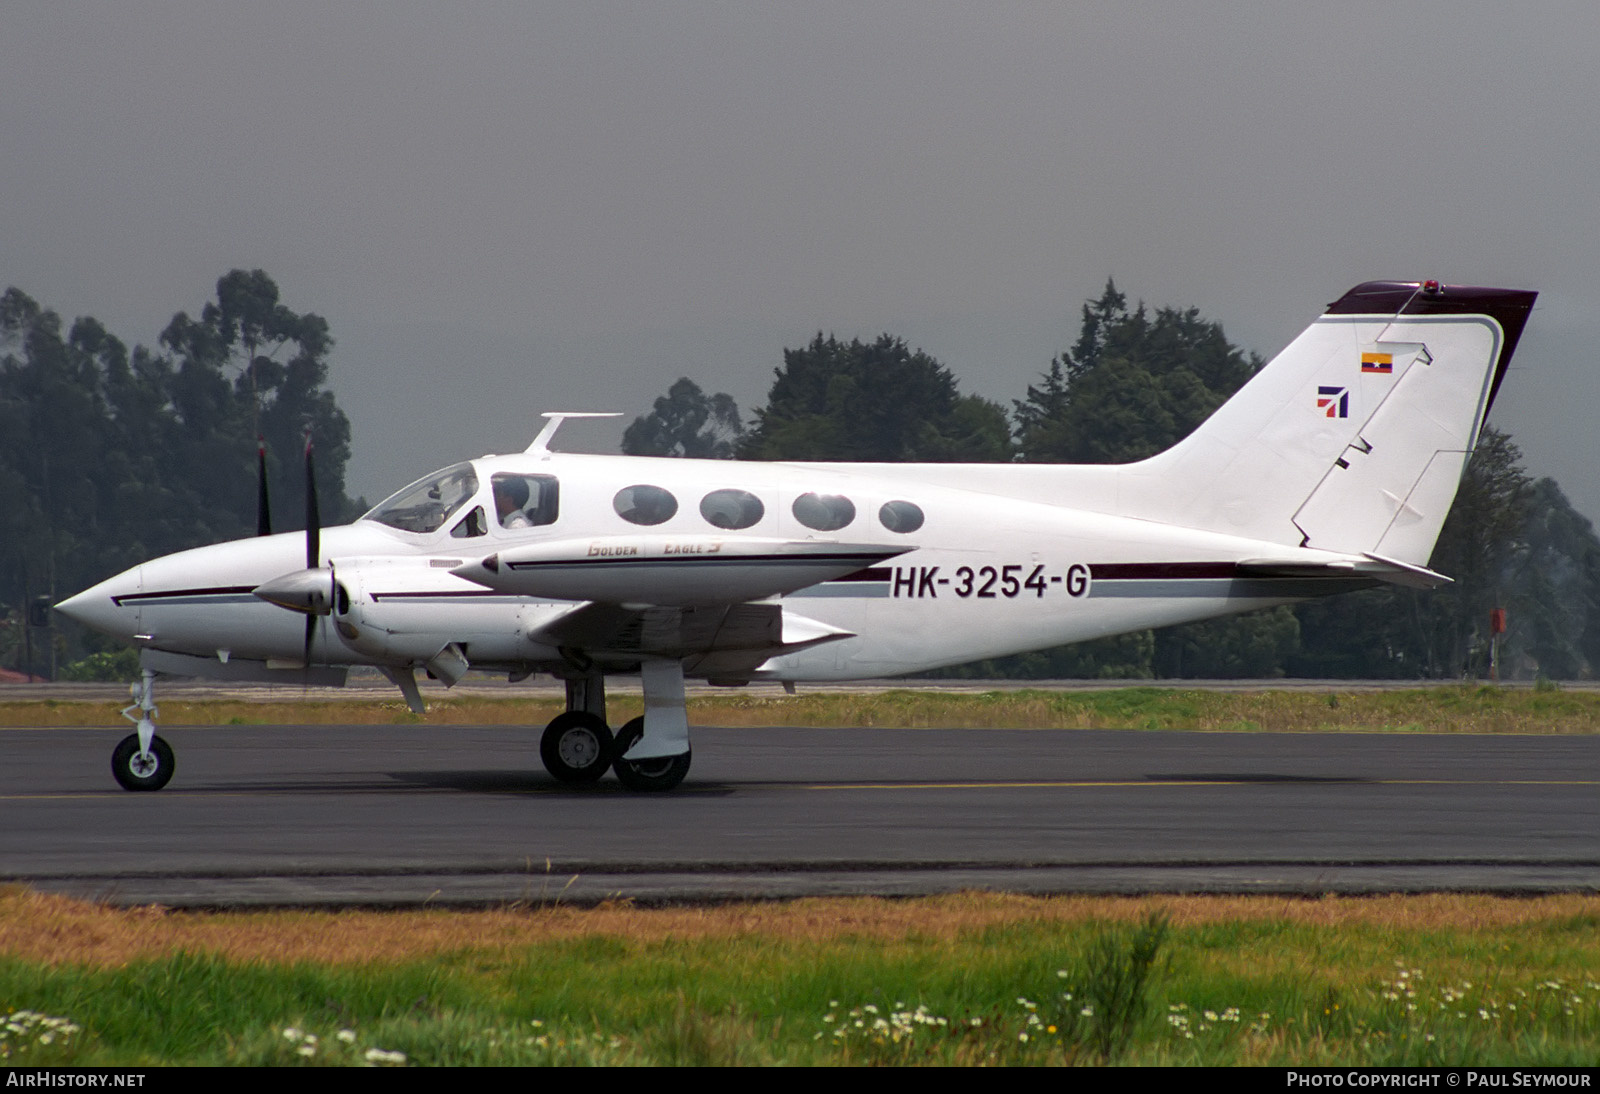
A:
(151, 771)
(576, 747)
(644, 776)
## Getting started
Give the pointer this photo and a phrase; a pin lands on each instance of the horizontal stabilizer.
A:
(1367, 568)
(670, 571)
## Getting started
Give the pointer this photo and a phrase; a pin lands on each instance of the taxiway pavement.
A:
(411, 815)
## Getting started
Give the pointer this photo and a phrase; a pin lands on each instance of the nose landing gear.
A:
(141, 760)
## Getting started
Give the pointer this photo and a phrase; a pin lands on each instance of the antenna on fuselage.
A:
(553, 420)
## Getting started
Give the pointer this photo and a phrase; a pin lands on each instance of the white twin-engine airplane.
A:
(1331, 470)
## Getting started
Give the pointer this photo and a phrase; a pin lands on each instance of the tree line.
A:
(1134, 383)
(110, 456)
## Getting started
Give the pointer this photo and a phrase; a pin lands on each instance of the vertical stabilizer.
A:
(1354, 438)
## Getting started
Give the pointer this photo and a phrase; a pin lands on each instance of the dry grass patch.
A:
(1458, 709)
(58, 930)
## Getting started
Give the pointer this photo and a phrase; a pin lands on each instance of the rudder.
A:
(1354, 438)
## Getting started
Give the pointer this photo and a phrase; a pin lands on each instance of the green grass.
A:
(1331, 982)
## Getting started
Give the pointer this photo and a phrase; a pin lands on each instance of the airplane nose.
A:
(97, 607)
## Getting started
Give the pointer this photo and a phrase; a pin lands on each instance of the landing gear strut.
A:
(141, 760)
(653, 752)
(661, 773)
(577, 746)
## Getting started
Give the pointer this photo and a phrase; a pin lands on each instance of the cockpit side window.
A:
(470, 525)
(426, 504)
(526, 501)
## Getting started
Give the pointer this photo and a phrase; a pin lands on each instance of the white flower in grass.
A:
(346, 1036)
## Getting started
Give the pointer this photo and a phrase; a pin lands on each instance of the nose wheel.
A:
(141, 760)
(142, 769)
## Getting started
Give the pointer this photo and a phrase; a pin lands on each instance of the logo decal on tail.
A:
(1334, 402)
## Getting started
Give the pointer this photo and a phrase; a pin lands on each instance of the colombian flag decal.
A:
(1377, 362)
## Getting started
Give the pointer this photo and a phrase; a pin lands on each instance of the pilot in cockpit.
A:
(510, 495)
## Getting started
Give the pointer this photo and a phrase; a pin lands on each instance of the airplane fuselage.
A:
(981, 575)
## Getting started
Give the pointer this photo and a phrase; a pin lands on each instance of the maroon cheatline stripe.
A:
(1161, 571)
(718, 561)
(221, 590)
(871, 573)
(437, 594)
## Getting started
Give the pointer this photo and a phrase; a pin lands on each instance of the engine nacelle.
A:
(403, 615)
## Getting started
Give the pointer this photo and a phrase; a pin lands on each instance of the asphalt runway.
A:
(413, 815)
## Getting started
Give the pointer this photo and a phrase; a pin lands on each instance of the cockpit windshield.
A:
(426, 504)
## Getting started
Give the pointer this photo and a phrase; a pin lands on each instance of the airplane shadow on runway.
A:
(533, 782)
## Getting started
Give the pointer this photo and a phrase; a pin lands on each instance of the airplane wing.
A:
(727, 640)
(687, 598)
(676, 597)
(670, 570)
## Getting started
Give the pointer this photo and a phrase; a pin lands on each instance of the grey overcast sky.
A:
(505, 208)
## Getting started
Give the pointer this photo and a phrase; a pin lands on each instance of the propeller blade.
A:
(311, 619)
(263, 507)
(313, 515)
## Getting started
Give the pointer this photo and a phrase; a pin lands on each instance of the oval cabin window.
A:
(824, 512)
(900, 516)
(731, 509)
(645, 505)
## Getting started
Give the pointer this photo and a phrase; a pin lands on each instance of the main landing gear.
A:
(648, 754)
(141, 760)
(576, 747)
(660, 773)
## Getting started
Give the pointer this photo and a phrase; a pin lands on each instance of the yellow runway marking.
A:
(1264, 781)
(1010, 785)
